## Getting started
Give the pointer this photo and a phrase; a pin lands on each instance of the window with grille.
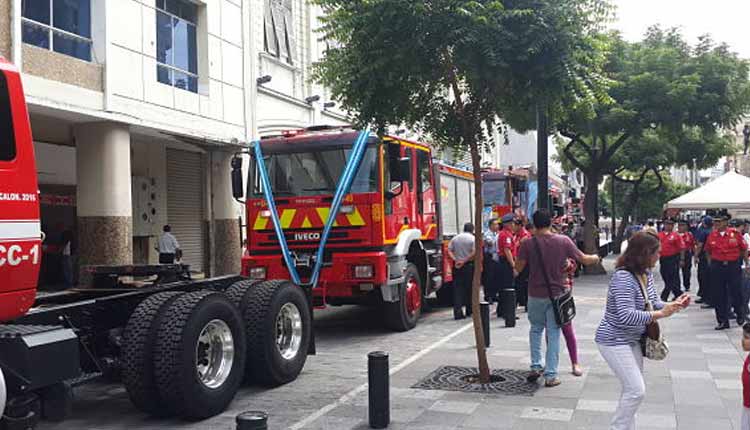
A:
(176, 45)
(279, 30)
(62, 26)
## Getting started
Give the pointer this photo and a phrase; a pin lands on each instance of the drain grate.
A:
(456, 378)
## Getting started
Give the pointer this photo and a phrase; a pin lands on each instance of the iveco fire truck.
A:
(387, 245)
(181, 347)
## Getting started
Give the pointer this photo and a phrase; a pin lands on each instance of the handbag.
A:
(563, 306)
(653, 345)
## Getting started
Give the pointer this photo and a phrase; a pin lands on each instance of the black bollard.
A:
(508, 302)
(378, 390)
(252, 420)
(484, 312)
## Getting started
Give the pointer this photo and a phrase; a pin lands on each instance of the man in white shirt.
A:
(168, 247)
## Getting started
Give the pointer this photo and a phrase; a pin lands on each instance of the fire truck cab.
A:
(386, 246)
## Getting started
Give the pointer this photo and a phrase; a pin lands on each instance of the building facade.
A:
(137, 107)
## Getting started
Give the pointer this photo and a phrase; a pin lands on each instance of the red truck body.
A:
(20, 235)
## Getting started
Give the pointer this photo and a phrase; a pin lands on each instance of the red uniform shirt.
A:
(506, 240)
(725, 247)
(689, 241)
(671, 243)
(521, 234)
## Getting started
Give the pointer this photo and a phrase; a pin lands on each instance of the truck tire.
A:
(237, 291)
(139, 338)
(404, 314)
(199, 355)
(278, 323)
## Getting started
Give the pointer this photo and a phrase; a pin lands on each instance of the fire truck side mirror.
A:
(237, 190)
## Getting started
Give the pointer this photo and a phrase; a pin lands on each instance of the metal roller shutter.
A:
(185, 200)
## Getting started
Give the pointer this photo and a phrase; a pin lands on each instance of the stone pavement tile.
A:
(590, 420)
(454, 407)
(700, 394)
(719, 368)
(729, 384)
(711, 336)
(719, 350)
(437, 418)
(493, 416)
(733, 394)
(701, 411)
(547, 414)
(663, 421)
(655, 408)
(328, 422)
(414, 393)
(690, 374)
(596, 405)
(698, 423)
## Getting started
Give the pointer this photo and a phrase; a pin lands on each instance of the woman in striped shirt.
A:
(624, 323)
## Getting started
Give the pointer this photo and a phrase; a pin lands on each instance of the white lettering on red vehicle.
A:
(15, 255)
(17, 197)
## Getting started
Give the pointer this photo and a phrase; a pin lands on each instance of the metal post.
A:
(542, 148)
(252, 420)
(508, 306)
(484, 313)
(378, 390)
(613, 235)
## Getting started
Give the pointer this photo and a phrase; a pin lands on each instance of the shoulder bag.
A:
(653, 345)
(563, 306)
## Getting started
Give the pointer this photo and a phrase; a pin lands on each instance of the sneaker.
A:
(554, 382)
(533, 376)
(577, 371)
(699, 300)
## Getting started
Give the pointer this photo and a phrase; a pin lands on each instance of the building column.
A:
(227, 250)
(105, 225)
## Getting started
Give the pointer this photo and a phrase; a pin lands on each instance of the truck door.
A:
(400, 210)
(425, 195)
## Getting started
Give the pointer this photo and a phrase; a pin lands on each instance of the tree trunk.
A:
(590, 203)
(484, 369)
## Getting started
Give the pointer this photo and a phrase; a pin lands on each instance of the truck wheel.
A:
(199, 355)
(404, 314)
(139, 338)
(237, 292)
(279, 327)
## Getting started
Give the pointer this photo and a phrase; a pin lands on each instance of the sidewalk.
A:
(697, 387)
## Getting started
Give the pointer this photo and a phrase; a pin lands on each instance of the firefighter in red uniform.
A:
(724, 248)
(689, 242)
(672, 256)
(507, 250)
(522, 281)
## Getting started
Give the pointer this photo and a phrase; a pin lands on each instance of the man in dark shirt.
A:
(704, 287)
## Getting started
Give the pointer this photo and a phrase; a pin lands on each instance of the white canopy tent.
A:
(730, 191)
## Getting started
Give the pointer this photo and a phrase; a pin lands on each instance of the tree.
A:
(668, 103)
(450, 68)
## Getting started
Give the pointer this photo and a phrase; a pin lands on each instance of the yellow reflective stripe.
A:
(287, 215)
(323, 214)
(260, 223)
(306, 223)
(355, 218)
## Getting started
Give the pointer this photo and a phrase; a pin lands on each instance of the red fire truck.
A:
(181, 347)
(387, 244)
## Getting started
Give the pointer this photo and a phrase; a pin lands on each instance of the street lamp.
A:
(263, 79)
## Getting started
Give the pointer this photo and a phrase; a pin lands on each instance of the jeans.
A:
(745, 422)
(626, 362)
(541, 317)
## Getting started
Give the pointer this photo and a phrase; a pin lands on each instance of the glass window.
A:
(7, 137)
(63, 26)
(278, 33)
(176, 45)
(424, 184)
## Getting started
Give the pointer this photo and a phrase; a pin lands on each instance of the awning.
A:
(729, 191)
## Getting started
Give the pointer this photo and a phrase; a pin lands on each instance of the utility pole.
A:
(542, 153)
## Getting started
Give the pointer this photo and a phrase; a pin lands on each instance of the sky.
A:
(726, 20)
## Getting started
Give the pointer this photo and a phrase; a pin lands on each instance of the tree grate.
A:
(456, 378)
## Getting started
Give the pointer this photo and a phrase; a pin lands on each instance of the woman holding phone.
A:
(625, 320)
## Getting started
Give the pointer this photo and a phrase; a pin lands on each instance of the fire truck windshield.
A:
(315, 172)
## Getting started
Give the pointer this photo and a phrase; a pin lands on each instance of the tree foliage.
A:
(451, 68)
(648, 204)
(669, 104)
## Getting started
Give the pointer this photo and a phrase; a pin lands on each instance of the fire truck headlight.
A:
(364, 271)
(258, 273)
(265, 214)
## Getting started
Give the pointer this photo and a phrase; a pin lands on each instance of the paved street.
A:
(697, 387)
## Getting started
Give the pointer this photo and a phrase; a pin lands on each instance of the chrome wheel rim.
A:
(214, 354)
(288, 331)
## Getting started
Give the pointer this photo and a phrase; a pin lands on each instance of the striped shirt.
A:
(625, 318)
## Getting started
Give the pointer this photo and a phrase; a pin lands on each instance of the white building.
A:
(138, 105)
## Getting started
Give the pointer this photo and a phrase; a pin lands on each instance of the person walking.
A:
(491, 262)
(507, 250)
(724, 248)
(546, 254)
(672, 256)
(689, 241)
(461, 252)
(704, 278)
(619, 334)
(168, 247)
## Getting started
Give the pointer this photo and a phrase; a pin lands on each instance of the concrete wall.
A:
(5, 28)
(62, 68)
(55, 164)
